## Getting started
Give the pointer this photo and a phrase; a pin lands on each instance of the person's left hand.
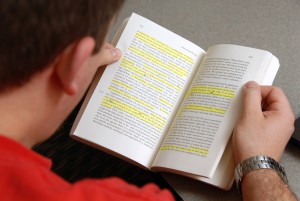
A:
(109, 54)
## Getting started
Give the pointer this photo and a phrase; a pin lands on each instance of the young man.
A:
(50, 51)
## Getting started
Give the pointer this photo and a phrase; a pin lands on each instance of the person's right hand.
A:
(266, 123)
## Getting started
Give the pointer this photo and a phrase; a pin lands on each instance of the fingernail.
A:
(251, 84)
(116, 53)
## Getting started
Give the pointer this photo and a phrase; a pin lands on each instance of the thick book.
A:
(167, 105)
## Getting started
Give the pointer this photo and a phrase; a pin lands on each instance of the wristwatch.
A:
(256, 163)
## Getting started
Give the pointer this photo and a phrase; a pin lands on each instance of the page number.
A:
(250, 57)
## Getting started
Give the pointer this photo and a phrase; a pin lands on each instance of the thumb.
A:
(252, 99)
(110, 54)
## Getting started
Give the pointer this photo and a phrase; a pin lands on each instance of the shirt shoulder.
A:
(26, 175)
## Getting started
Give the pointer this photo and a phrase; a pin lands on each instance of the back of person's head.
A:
(33, 33)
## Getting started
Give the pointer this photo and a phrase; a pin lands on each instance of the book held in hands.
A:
(168, 105)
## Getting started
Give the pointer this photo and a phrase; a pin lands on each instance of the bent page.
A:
(136, 98)
(205, 121)
(224, 175)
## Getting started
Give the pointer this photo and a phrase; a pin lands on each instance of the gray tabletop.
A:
(273, 25)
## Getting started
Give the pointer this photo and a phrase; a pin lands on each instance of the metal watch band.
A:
(256, 163)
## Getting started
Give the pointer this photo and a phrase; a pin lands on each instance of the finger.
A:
(275, 98)
(109, 54)
(252, 99)
(108, 45)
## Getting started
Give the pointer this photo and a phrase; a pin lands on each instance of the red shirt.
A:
(26, 175)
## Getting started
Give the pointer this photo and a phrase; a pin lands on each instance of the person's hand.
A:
(109, 54)
(266, 123)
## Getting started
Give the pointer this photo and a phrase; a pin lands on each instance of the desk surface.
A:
(273, 25)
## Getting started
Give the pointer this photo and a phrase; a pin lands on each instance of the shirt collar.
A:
(10, 146)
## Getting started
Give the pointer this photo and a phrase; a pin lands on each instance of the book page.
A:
(206, 118)
(224, 175)
(136, 98)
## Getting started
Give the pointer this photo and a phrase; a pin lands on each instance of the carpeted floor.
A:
(73, 160)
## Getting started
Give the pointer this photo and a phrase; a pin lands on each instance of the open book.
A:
(168, 105)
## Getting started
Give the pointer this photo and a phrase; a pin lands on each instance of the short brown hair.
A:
(34, 32)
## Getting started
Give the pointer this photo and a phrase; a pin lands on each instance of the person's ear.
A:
(69, 63)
